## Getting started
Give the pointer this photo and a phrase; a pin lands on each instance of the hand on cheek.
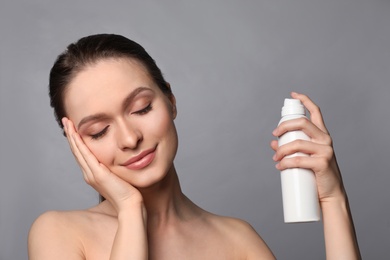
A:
(113, 188)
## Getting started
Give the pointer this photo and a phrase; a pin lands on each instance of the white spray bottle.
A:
(299, 189)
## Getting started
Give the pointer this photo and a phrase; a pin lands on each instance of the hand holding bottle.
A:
(339, 231)
(321, 159)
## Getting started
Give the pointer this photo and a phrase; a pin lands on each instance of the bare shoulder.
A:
(241, 233)
(53, 235)
(57, 235)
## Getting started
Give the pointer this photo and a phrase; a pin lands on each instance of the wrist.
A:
(335, 206)
(131, 204)
(131, 210)
(337, 196)
(127, 203)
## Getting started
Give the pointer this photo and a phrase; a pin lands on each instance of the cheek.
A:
(161, 124)
(102, 150)
(164, 130)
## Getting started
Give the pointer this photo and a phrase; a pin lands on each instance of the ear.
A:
(172, 99)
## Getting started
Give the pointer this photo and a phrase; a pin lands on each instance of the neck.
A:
(165, 203)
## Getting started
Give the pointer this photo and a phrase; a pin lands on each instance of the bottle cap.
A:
(293, 107)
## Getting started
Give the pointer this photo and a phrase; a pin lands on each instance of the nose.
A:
(129, 136)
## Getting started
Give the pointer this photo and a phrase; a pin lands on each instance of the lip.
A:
(141, 160)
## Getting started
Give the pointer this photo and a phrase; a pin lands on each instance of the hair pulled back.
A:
(89, 50)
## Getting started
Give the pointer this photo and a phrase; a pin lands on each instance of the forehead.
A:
(103, 82)
(107, 70)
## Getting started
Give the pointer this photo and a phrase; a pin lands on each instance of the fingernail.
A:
(64, 124)
(277, 166)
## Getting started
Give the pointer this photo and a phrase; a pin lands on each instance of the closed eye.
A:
(144, 110)
(100, 134)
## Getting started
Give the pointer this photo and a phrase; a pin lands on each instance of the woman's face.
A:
(124, 119)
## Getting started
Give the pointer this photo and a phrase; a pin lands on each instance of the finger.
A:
(64, 120)
(314, 110)
(89, 158)
(70, 131)
(316, 164)
(274, 144)
(305, 147)
(315, 133)
(98, 171)
(87, 173)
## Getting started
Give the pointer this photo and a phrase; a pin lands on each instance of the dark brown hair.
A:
(89, 50)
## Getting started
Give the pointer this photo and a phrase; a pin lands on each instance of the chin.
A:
(150, 178)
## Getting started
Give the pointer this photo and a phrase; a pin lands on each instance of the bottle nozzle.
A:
(293, 107)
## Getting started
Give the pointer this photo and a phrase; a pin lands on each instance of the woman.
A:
(118, 112)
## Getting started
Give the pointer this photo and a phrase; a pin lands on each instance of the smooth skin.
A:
(146, 215)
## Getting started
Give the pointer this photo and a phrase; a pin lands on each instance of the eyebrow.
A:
(126, 102)
(132, 95)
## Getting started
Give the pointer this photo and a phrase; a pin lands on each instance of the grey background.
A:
(231, 64)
